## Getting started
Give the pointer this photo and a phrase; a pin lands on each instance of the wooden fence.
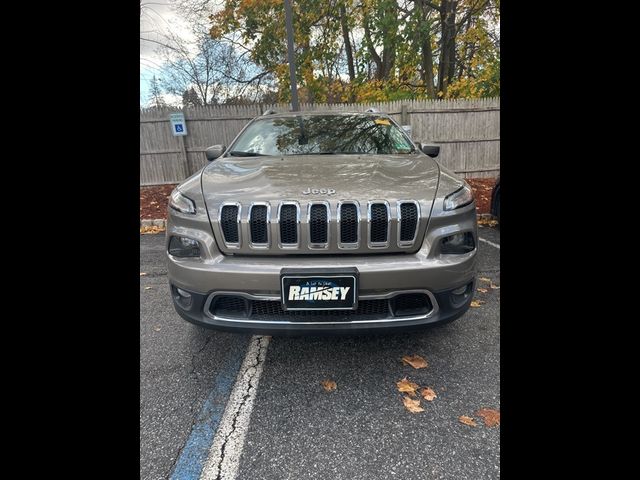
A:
(467, 130)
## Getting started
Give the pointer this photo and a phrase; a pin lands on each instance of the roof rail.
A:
(269, 112)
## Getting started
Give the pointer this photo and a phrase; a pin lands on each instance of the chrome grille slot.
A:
(348, 224)
(379, 224)
(259, 224)
(229, 219)
(408, 214)
(318, 224)
(289, 221)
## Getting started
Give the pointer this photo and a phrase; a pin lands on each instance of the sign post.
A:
(179, 129)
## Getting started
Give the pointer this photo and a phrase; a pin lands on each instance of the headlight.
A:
(184, 247)
(461, 197)
(181, 203)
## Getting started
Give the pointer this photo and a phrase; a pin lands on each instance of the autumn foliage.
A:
(371, 50)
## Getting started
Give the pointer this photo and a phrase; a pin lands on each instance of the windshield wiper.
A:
(337, 152)
(237, 153)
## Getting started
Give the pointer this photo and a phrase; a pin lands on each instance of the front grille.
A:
(379, 223)
(258, 224)
(229, 223)
(319, 227)
(318, 224)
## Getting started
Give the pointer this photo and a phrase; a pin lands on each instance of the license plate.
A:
(319, 289)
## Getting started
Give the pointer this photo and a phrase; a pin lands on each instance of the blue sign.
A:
(178, 124)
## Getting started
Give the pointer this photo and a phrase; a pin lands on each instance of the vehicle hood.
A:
(353, 177)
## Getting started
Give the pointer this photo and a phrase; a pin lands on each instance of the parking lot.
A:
(284, 425)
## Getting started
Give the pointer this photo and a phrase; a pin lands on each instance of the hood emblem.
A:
(319, 191)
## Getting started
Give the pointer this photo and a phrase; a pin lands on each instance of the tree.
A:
(191, 99)
(212, 68)
(155, 97)
(363, 50)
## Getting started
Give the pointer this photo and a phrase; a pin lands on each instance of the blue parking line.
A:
(194, 454)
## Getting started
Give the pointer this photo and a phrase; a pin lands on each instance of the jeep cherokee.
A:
(313, 222)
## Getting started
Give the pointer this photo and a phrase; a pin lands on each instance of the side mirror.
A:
(214, 151)
(430, 149)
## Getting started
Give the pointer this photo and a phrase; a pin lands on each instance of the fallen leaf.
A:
(147, 288)
(151, 229)
(412, 405)
(157, 329)
(495, 286)
(491, 417)
(484, 279)
(477, 303)
(482, 290)
(467, 421)
(407, 386)
(143, 274)
(416, 361)
(490, 222)
(329, 385)
(428, 394)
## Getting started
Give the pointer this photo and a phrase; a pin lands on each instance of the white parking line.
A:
(224, 456)
(490, 243)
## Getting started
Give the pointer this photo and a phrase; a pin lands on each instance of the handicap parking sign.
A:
(178, 124)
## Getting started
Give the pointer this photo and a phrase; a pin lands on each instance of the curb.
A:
(158, 222)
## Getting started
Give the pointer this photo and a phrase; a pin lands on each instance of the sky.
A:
(156, 20)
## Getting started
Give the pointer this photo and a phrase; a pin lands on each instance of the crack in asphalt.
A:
(194, 355)
(233, 427)
(227, 446)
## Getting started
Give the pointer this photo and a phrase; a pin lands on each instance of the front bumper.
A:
(445, 310)
(379, 277)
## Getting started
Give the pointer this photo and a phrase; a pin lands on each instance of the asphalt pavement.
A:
(296, 429)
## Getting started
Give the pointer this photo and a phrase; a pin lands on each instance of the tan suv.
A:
(322, 222)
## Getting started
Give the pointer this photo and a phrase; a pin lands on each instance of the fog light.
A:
(461, 295)
(458, 243)
(183, 293)
(184, 247)
(459, 291)
(181, 297)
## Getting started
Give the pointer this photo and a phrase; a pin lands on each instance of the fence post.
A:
(404, 115)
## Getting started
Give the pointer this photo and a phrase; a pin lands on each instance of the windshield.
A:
(322, 134)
